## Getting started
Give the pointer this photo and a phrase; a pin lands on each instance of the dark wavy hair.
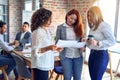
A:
(26, 23)
(78, 25)
(2, 23)
(40, 18)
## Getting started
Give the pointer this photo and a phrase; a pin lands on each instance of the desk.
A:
(28, 60)
(20, 53)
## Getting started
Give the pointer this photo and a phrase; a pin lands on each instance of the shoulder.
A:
(104, 24)
(28, 32)
(37, 32)
(18, 33)
(105, 27)
(60, 26)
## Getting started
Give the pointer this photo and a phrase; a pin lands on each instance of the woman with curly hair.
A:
(42, 46)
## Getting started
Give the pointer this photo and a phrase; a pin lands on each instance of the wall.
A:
(81, 5)
(15, 17)
(58, 7)
(61, 7)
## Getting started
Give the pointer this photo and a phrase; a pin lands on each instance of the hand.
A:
(82, 49)
(16, 43)
(54, 48)
(51, 47)
(92, 42)
(59, 49)
(83, 40)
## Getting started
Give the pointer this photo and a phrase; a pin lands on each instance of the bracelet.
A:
(98, 43)
(46, 48)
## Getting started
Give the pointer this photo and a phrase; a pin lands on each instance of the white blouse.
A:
(104, 35)
(43, 61)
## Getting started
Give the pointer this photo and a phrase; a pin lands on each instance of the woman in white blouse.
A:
(42, 46)
(103, 38)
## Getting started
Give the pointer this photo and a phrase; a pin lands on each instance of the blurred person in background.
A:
(6, 59)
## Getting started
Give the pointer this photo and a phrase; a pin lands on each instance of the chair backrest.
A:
(58, 69)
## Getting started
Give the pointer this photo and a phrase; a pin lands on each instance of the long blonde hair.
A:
(97, 15)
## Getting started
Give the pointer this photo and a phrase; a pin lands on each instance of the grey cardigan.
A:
(61, 34)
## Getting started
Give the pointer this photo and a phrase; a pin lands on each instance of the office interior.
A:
(15, 12)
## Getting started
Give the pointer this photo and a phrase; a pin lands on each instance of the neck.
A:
(44, 27)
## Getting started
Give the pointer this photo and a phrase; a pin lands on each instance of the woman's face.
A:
(48, 23)
(90, 19)
(71, 19)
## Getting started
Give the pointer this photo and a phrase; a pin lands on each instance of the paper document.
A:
(27, 55)
(68, 43)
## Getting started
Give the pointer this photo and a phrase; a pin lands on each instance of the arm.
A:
(109, 37)
(58, 34)
(5, 46)
(38, 48)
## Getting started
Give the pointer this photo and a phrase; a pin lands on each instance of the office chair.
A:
(58, 69)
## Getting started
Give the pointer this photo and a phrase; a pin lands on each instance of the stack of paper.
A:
(70, 43)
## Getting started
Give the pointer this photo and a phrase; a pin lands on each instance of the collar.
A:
(64, 24)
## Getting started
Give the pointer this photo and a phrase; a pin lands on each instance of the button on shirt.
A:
(70, 35)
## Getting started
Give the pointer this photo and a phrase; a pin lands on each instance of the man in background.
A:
(23, 37)
(6, 59)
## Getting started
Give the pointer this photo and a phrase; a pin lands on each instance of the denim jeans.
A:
(9, 61)
(98, 61)
(72, 67)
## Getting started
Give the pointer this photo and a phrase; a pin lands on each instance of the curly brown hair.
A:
(40, 18)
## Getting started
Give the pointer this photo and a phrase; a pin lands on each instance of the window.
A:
(111, 14)
(108, 8)
(28, 5)
(4, 14)
(118, 21)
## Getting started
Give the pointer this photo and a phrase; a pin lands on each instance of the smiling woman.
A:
(111, 15)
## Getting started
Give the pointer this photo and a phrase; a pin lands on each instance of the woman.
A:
(42, 45)
(103, 39)
(71, 58)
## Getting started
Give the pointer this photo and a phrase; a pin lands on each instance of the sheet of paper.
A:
(68, 43)
(27, 55)
(27, 50)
